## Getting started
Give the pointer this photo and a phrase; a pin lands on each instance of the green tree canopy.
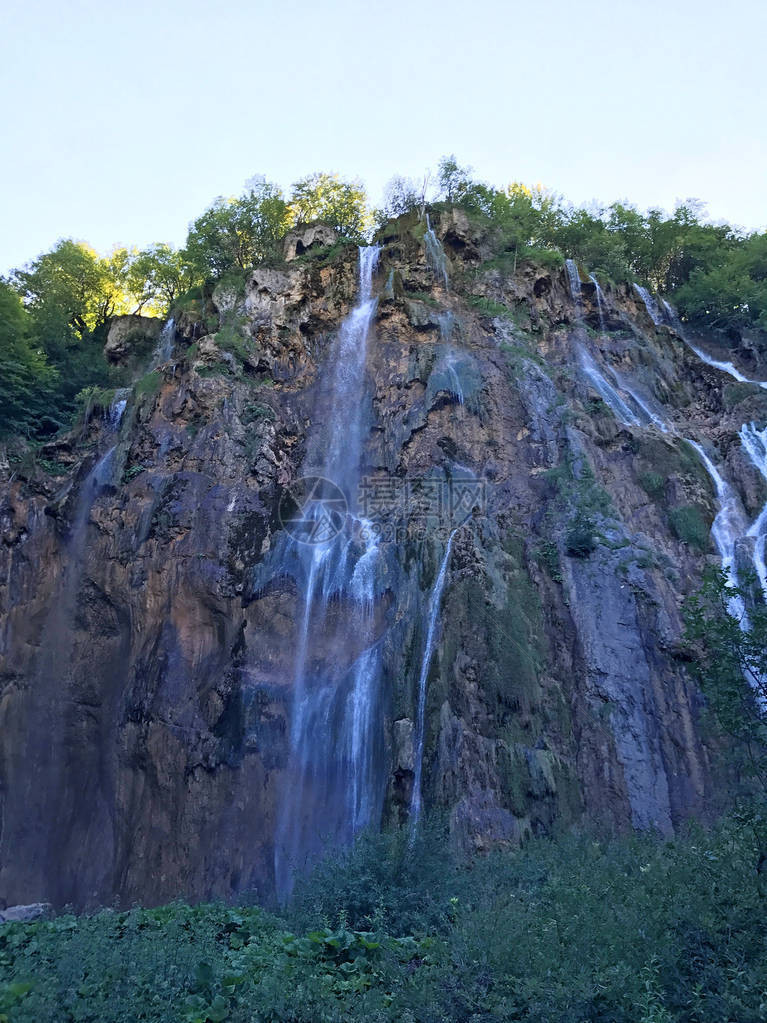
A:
(342, 204)
(25, 376)
(157, 276)
(235, 234)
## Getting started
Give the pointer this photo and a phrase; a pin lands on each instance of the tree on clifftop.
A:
(235, 234)
(342, 204)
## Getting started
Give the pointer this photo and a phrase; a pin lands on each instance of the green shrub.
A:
(149, 385)
(632, 930)
(547, 556)
(653, 484)
(688, 525)
(580, 539)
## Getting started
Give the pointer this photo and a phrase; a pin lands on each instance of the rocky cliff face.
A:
(146, 656)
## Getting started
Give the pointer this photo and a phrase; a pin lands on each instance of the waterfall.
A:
(653, 310)
(435, 254)
(730, 518)
(420, 723)
(574, 278)
(729, 524)
(754, 442)
(654, 416)
(164, 347)
(600, 302)
(117, 408)
(333, 782)
(450, 365)
(607, 392)
(722, 366)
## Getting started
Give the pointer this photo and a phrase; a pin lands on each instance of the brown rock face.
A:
(147, 656)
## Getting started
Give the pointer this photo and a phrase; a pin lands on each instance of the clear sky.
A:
(121, 121)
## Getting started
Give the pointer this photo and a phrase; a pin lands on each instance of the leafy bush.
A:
(653, 484)
(689, 526)
(566, 930)
(580, 539)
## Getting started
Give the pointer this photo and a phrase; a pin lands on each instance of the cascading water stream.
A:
(333, 787)
(574, 277)
(416, 799)
(730, 522)
(606, 391)
(435, 254)
(117, 408)
(652, 307)
(600, 302)
(754, 442)
(722, 366)
(609, 394)
(164, 348)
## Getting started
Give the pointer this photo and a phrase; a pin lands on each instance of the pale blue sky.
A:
(122, 121)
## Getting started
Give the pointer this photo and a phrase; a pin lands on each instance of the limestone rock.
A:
(130, 336)
(26, 914)
(307, 236)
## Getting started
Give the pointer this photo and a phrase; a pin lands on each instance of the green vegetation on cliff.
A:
(51, 342)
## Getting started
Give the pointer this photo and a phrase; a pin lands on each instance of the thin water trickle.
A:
(606, 391)
(435, 254)
(600, 302)
(754, 442)
(650, 410)
(416, 799)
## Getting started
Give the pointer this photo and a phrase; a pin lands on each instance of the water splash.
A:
(435, 254)
(416, 799)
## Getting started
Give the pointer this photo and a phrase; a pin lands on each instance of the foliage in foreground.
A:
(633, 931)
